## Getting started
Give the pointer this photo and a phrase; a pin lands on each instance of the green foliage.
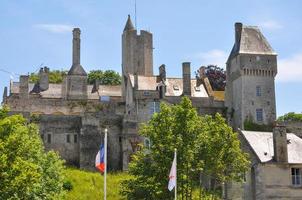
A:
(26, 171)
(89, 185)
(204, 144)
(108, 77)
(67, 185)
(55, 76)
(33, 78)
(249, 125)
(291, 116)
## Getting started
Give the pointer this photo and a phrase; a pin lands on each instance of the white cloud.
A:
(215, 57)
(270, 25)
(55, 28)
(290, 69)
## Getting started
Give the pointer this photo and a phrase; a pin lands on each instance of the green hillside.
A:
(89, 185)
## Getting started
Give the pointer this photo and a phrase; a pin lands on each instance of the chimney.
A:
(280, 144)
(186, 78)
(23, 87)
(4, 94)
(238, 30)
(43, 78)
(76, 46)
(202, 72)
(162, 72)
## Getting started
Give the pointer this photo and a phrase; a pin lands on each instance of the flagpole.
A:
(175, 156)
(105, 161)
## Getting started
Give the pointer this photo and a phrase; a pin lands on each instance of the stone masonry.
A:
(72, 115)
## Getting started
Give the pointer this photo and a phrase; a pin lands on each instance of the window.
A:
(75, 138)
(197, 89)
(154, 107)
(42, 137)
(259, 114)
(175, 87)
(258, 91)
(296, 176)
(146, 93)
(68, 138)
(49, 138)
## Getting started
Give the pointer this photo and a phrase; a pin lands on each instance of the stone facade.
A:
(251, 71)
(73, 115)
(273, 157)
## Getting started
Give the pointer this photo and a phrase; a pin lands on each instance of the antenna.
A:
(135, 13)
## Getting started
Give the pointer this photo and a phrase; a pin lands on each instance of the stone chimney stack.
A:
(162, 72)
(43, 78)
(4, 94)
(23, 87)
(76, 46)
(186, 78)
(238, 30)
(280, 144)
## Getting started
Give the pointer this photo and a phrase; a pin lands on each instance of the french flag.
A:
(99, 159)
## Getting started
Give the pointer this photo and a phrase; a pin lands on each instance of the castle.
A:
(72, 115)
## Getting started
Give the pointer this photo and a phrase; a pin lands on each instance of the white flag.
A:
(172, 175)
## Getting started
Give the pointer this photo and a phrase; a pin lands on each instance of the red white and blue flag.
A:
(99, 159)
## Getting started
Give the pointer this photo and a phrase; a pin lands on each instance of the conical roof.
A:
(129, 26)
(77, 70)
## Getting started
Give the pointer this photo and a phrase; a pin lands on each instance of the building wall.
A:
(245, 72)
(293, 127)
(57, 128)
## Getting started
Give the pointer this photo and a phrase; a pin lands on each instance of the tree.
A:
(291, 116)
(216, 76)
(204, 144)
(26, 171)
(108, 77)
(55, 76)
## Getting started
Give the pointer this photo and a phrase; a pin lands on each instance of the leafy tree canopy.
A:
(26, 171)
(216, 76)
(291, 116)
(107, 77)
(55, 76)
(205, 144)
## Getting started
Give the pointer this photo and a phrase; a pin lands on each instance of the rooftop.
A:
(262, 144)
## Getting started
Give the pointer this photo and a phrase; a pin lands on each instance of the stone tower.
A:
(137, 52)
(76, 80)
(251, 70)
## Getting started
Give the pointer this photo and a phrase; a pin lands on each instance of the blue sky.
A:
(35, 32)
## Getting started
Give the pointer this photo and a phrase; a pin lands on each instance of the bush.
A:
(252, 126)
(67, 185)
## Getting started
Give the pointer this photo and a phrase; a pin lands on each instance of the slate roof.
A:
(262, 144)
(55, 90)
(174, 86)
(77, 70)
(252, 41)
(129, 26)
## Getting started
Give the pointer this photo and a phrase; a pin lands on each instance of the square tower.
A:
(251, 71)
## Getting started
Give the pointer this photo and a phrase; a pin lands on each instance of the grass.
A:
(89, 185)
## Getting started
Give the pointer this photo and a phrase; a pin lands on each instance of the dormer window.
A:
(175, 87)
